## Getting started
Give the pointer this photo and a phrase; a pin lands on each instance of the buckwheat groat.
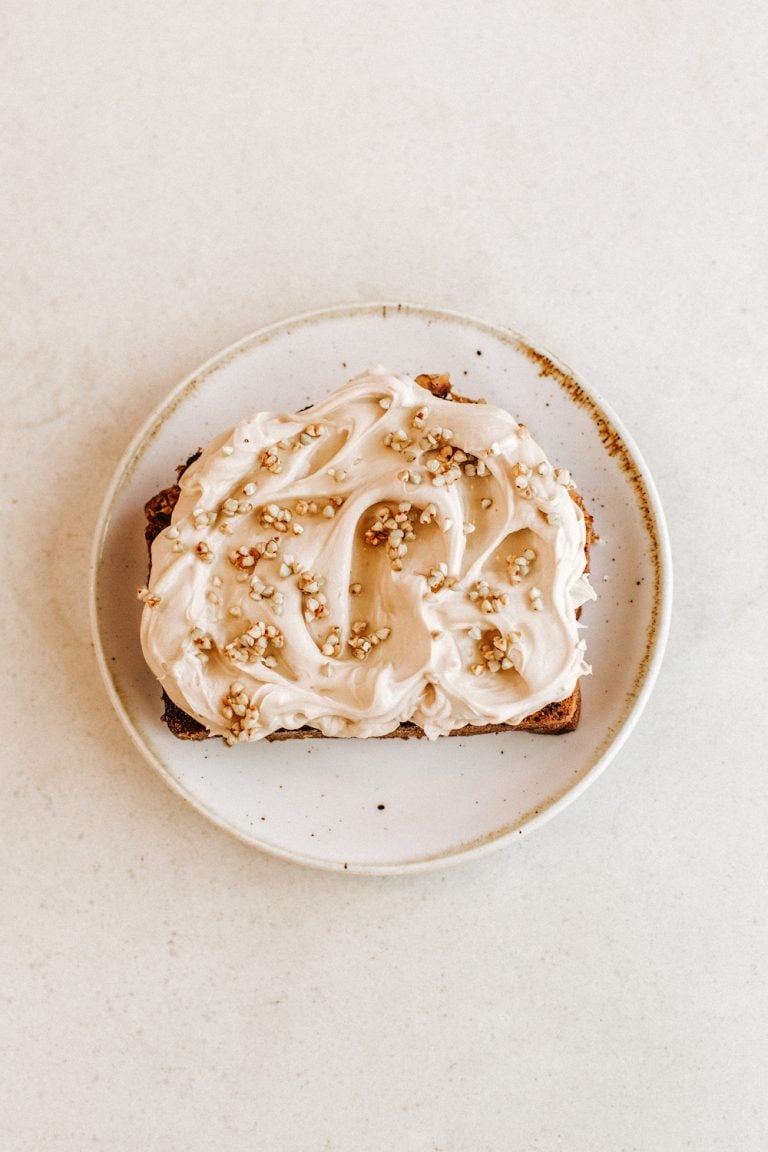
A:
(392, 561)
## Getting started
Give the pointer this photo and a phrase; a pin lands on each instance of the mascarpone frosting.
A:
(382, 556)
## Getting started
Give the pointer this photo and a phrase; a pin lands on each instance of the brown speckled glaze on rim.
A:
(617, 444)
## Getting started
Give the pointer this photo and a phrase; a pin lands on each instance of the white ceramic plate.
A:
(390, 805)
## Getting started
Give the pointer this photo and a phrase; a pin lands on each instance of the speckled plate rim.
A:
(617, 442)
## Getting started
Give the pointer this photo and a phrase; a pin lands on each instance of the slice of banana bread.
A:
(555, 718)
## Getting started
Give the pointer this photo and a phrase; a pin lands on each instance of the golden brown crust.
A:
(441, 387)
(553, 719)
(182, 725)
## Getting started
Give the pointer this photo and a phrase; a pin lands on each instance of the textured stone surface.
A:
(174, 177)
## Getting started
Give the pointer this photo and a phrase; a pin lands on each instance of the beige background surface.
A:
(177, 175)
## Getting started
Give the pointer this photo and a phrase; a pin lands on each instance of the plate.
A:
(382, 806)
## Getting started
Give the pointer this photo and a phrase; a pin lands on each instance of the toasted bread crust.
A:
(552, 720)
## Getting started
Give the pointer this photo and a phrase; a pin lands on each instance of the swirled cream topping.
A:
(383, 556)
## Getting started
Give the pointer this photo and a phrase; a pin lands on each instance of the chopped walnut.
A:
(395, 528)
(270, 460)
(203, 519)
(523, 477)
(520, 566)
(409, 476)
(489, 599)
(332, 643)
(203, 641)
(149, 598)
(314, 602)
(498, 654)
(272, 515)
(536, 600)
(420, 417)
(398, 440)
(253, 646)
(269, 548)
(437, 578)
(447, 462)
(204, 552)
(261, 591)
(238, 708)
(362, 642)
(232, 507)
(244, 558)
